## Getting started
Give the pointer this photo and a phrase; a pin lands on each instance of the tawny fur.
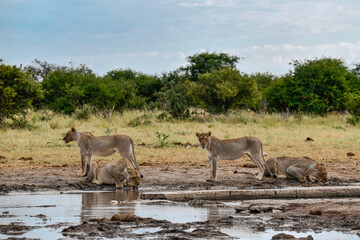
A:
(303, 169)
(117, 173)
(231, 149)
(100, 146)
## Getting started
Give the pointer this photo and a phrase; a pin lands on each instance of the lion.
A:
(304, 169)
(100, 146)
(231, 149)
(115, 173)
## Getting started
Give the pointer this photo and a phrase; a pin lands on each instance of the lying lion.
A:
(303, 169)
(115, 172)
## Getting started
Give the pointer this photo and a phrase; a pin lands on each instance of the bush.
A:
(145, 86)
(84, 113)
(353, 105)
(315, 86)
(173, 97)
(68, 89)
(225, 89)
(18, 91)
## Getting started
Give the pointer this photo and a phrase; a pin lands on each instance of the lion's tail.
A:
(133, 153)
(265, 165)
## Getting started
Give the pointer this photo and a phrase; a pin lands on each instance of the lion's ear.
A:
(197, 134)
(73, 129)
(209, 133)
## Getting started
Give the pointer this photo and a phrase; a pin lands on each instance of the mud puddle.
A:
(56, 215)
(45, 214)
(245, 233)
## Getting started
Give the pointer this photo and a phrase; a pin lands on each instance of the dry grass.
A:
(281, 135)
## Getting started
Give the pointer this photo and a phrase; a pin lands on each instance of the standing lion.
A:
(230, 149)
(101, 146)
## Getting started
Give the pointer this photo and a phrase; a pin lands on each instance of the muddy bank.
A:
(131, 226)
(342, 215)
(315, 216)
(173, 177)
(287, 193)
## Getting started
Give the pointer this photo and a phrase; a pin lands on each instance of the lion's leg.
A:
(88, 162)
(256, 158)
(128, 183)
(297, 173)
(92, 172)
(83, 165)
(118, 183)
(272, 168)
(97, 182)
(275, 170)
(213, 168)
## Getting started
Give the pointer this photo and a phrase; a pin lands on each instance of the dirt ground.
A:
(323, 215)
(169, 177)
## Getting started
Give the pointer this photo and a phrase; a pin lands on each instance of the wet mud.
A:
(131, 226)
(173, 177)
(258, 216)
(318, 215)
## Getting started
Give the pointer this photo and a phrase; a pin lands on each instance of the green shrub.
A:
(225, 89)
(18, 90)
(315, 86)
(84, 113)
(162, 139)
(353, 105)
(143, 120)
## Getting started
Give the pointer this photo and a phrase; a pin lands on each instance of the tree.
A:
(263, 80)
(40, 69)
(146, 85)
(67, 89)
(201, 63)
(64, 88)
(224, 89)
(18, 91)
(315, 86)
(173, 96)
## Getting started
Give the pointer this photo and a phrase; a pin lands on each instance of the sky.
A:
(156, 36)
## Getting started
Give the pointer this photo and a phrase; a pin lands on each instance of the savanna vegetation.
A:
(160, 142)
(210, 82)
(318, 98)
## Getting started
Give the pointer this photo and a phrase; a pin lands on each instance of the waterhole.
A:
(47, 213)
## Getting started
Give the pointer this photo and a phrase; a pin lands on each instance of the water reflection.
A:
(96, 204)
(94, 198)
(76, 207)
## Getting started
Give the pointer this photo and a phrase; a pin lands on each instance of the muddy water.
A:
(46, 211)
(50, 212)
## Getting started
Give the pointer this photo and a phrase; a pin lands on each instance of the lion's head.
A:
(70, 135)
(320, 173)
(203, 138)
(134, 177)
(134, 173)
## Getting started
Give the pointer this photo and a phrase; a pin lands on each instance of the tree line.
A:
(210, 81)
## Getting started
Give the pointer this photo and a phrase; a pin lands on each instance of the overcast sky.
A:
(155, 36)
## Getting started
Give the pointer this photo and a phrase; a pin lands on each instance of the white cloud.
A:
(297, 17)
(278, 59)
(207, 3)
(275, 58)
(153, 54)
